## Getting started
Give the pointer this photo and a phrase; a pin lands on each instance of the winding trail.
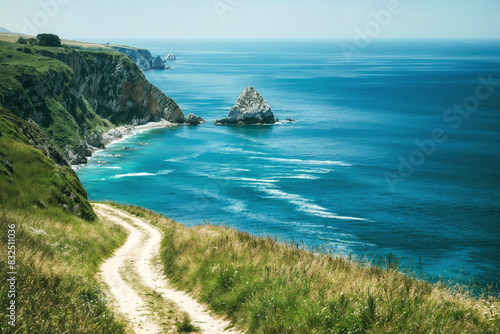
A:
(136, 266)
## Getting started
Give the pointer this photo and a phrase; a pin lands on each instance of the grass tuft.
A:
(185, 325)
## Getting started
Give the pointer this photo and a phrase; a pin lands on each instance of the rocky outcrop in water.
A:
(192, 119)
(170, 56)
(250, 108)
(157, 64)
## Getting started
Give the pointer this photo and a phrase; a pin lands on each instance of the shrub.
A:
(48, 40)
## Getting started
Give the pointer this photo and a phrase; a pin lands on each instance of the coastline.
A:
(121, 133)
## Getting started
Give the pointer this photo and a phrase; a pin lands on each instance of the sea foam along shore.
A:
(119, 134)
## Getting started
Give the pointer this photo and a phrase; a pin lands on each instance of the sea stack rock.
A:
(250, 108)
(170, 56)
(157, 64)
(192, 119)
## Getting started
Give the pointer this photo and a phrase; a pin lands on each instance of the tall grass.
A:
(56, 263)
(270, 287)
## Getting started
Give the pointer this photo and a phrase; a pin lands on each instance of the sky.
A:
(253, 19)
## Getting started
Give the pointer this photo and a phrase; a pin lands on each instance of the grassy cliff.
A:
(33, 172)
(59, 241)
(76, 95)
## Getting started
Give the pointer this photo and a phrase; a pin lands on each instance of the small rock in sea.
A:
(289, 120)
(170, 56)
(192, 119)
(101, 162)
(250, 108)
(127, 148)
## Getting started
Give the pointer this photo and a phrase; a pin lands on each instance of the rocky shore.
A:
(99, 141)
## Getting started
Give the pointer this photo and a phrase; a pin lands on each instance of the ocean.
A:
(394, 150)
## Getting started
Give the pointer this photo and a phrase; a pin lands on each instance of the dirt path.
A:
(135, 268)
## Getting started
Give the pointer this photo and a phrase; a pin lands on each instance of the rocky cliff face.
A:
(143, 58)
(117, 90)
(77, 93)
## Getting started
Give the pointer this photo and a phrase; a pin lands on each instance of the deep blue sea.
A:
(348, 174)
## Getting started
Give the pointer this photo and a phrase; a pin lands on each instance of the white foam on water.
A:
(239, 169)
(232, 178)
(112, 167)
(237, 206)
(184, 157)
(304, 204)
(313, 171)
(225, 149)
(247, 179)
(224, 170)
(118, 176)
(299, 177)
(161, 172)
(305, 162)
(165, 172)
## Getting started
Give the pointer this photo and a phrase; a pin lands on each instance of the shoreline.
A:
(121, 133)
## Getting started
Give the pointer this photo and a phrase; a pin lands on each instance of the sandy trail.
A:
(142, 249)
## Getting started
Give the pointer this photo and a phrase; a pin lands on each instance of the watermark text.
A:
(11, 275)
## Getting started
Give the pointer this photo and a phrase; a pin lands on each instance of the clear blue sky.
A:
(251, 18)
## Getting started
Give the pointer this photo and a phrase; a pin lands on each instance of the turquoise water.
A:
(323, 179)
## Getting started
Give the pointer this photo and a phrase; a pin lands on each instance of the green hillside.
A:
(59, 242)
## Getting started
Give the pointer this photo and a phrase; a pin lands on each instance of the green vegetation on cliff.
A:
(42, 88)
(76, 95)
(269, 287)
(60, 244)
(31, 180)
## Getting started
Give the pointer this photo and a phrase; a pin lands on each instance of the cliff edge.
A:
(76, 95)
